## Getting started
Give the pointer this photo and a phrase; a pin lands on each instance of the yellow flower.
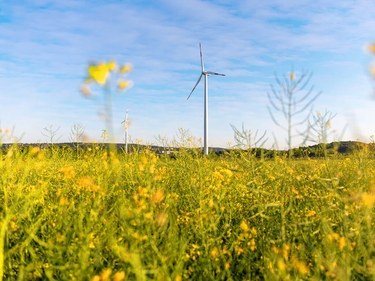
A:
(281, 265)
(34, 150)
(372, 48)
(274, 249)
(311, 213)
(161, 219)
(85, 91)
(111, 65)
(372, 70)
(63, 201)
(123, 84)
(99, 73)
(158, 196)
(85, 182)
(240, 251)
(253, 231)
(125, 68)
(68, 171)
(252, 245)
(292, 76)
(214, 252)
(227, 172)
(368, 199)
(13, 225)
(285, 251)
(105, 275)
(342, 243)
(244, 226)
(119, 276)
(40, 155)
(300, 266)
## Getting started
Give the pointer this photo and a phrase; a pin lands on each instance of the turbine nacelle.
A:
(205, 73)
(208, 73)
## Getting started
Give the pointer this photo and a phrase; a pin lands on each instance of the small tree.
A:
(245, 139)
(76, 135)
(163, 142)
(100, 74)
(51, 133)
(291, 101)
(104, 136)
(320, 126)
(185, 139)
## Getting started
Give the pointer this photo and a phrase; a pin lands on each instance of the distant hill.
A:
(342, 147)
(317, 150)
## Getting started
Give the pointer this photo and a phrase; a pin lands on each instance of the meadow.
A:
(90, 214)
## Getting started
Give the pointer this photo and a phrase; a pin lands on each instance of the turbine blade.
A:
(202, 64)
(214, 73)
(200, 77)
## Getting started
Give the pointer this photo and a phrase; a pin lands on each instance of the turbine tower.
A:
(126, 126)
(205, 74)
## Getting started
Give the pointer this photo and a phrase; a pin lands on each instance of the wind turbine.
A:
(205, 74)
(126, 125)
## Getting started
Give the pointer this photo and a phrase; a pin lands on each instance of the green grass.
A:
(142, 216)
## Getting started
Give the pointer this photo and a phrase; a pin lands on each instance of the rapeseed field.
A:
(98, 215)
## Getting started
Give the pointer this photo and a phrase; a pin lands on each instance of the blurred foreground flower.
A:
(101, 72)
(122, 85)
(292, 76)
(368, 199)
(371, 48)
(372, 70)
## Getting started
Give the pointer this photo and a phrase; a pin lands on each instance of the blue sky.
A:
(45, 47)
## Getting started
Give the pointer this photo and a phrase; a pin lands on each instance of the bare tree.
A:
(76, 133)
(245, 139)
(320, 126)
(51, 133)
(291, 101)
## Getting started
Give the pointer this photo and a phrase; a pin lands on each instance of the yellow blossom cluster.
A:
(100, 73)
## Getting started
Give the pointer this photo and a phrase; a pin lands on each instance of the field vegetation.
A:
(91, 214)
